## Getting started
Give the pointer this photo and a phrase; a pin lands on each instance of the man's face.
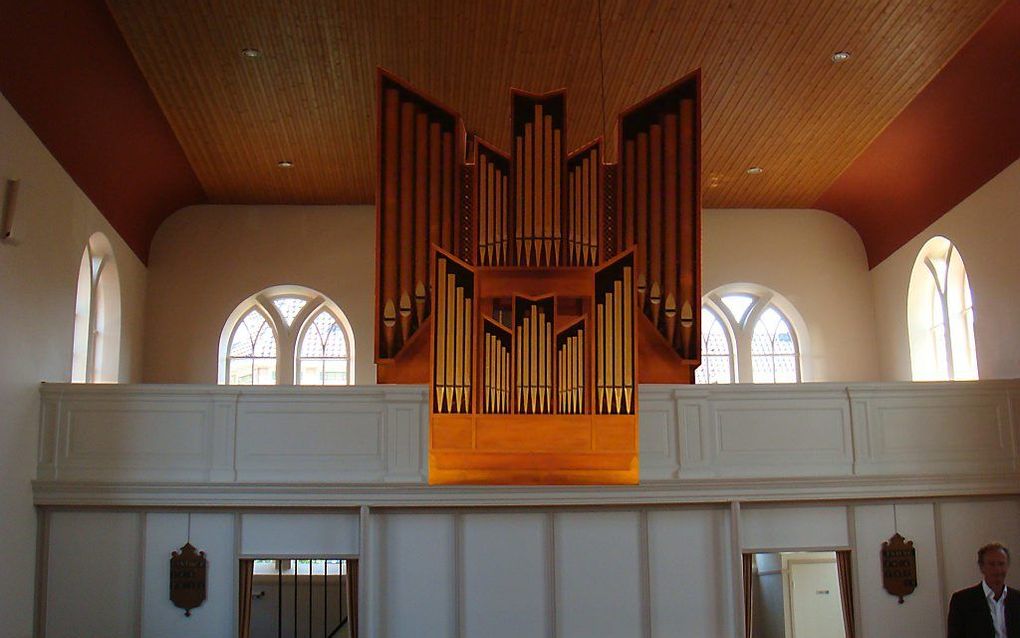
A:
(994, 566)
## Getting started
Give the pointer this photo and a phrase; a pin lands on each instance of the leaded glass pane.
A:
(289, 307)
(762, 369)
(773, 349)
(323, 353)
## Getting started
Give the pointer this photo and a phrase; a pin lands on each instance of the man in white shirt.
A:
(989, 609)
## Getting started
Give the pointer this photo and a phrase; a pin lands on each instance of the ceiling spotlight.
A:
(755, 170)
(251, 53)
(285, 164)
(840, 56)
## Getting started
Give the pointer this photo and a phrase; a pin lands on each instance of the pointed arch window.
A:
(940, 315)
(287, 335)
(773, 349)
(252, 359)
(323, 356)
(95, 352)
(716, 350)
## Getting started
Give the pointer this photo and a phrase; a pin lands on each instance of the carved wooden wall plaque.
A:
(188, 572)
(899, 567)
(534, 288)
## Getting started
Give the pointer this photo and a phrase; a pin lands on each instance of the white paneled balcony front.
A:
(130, 443)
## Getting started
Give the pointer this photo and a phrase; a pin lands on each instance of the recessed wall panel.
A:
(506, 583)
(417, 586)
(968, 526)
(598, 575)
(794, 528)
(690, 570)
(93, 574)
(210, 533)
(299, 534)
(921, 615)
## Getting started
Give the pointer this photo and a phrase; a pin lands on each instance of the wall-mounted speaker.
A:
(7, 212)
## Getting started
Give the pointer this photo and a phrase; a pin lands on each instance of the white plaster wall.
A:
(38, 280)
(205, 260)
(985, 228)
(815, 260)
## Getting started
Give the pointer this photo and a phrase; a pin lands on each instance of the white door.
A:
(816, 609)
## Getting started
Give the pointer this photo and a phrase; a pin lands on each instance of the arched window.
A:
(95, 353)
(287, 335)
(940, 315)
(252, 358)
(716, 349)
(322, 356)
(765, 330)
(773, 349)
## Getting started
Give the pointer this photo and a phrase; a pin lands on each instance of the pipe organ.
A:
(527, 286)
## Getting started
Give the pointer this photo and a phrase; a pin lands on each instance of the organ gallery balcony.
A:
(291, 445)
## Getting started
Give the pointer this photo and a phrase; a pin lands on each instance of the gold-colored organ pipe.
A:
(670, 213)
(628, 340)
(406, 234)
(441, 344)
(435, 189)
(420, 234)
(448, 227)
(641, 214)
(481, 209)
(390, 220)
(547, 190)
(557, 194)
(519, 199)
(529, 193)
(594, 209)
(653, 254)
(451, 331)
(458, 351)
(688, 257)
(629, 194)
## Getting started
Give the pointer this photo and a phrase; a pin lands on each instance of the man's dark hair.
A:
(992, 547)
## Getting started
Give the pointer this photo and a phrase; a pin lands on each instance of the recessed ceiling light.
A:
(251, 53)
(755, 170)
(285, 164)
(840, 56)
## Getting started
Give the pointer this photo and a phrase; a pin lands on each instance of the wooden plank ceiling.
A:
(772, 96)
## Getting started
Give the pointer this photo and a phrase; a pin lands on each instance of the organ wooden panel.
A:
(550, 276)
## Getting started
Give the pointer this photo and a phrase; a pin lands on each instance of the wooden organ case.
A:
(533, 290)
